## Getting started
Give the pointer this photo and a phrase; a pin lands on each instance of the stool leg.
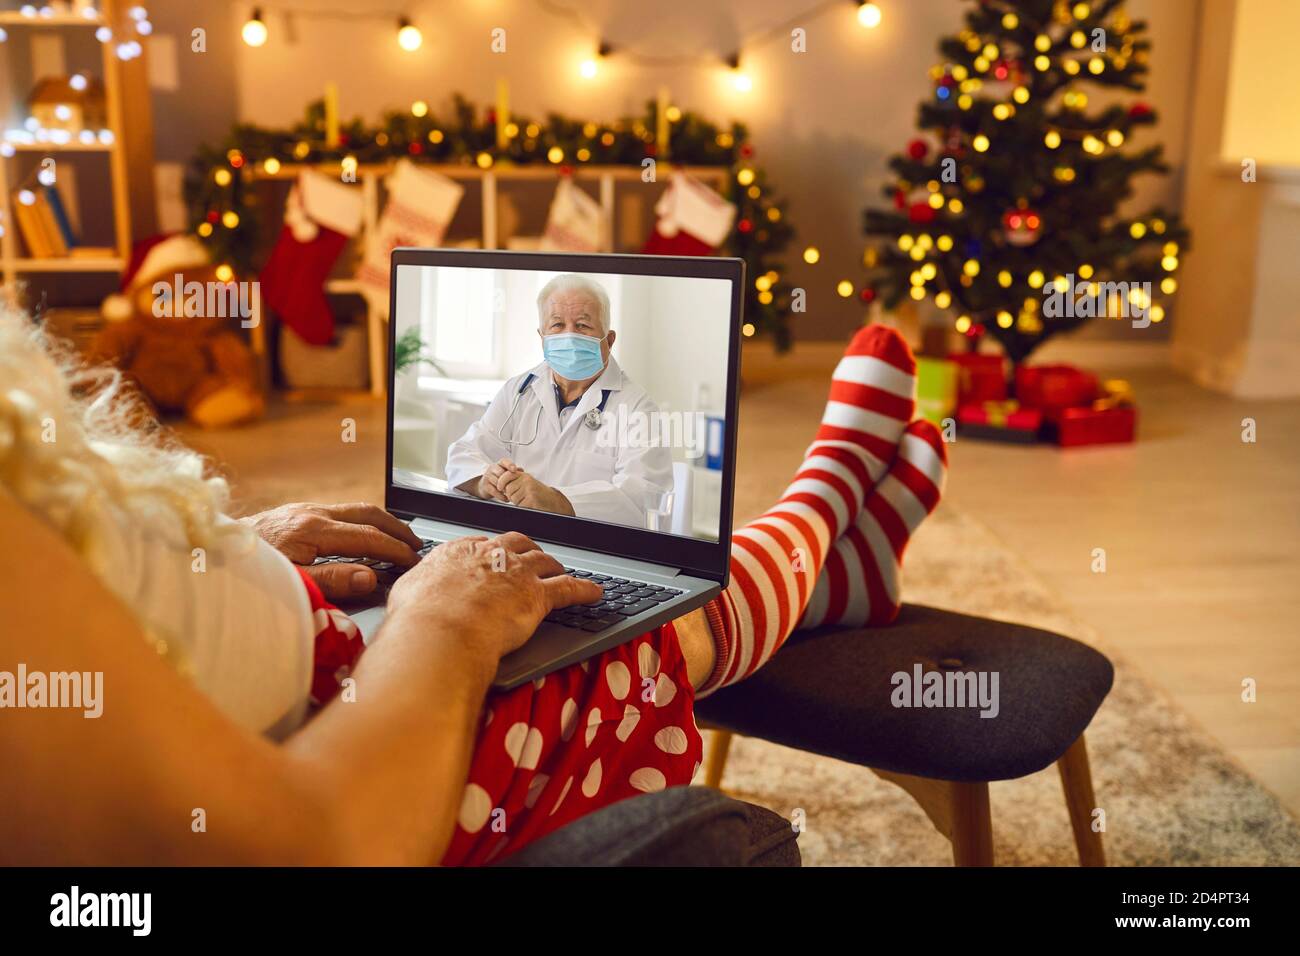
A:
(972, 825)
(717, 762)
(1076, 781)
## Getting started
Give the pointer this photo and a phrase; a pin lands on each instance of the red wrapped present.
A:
(1052, 388)
(1000, 421)
(980, 378)
(1090, 425)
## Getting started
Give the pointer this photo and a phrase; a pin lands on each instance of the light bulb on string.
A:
(739, 79)
(409, 36)
(869, 14)
(254, 31)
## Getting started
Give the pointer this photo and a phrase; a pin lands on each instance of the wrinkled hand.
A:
(303, 532)
(492, 591)
(522, 489)
(488, 485)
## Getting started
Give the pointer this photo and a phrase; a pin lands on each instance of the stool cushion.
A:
(832, 692)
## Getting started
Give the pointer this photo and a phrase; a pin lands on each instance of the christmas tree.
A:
(1006, 215)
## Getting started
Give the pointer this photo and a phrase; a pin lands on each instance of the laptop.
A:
(604, 390)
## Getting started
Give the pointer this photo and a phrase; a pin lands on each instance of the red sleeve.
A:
(338, 643)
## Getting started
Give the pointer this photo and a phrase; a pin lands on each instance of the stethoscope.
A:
(593, 419)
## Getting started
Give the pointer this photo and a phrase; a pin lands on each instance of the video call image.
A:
(595, 396)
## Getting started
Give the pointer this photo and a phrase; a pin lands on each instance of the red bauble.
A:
(566, 170)
(867, 295)
(343, 139)
(900, 199)
(1022, 226)
(415, 149)
(1139, 109)
(917, 149)
(747, 150)
(921, 213)
(745, 225)
(213, 216)
(651, 149)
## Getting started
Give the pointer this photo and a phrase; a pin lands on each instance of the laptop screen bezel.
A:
(701, 558)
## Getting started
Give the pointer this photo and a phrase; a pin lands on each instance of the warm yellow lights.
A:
(230, 219)
(409, 36)
(1085, 271)
(964, 101)
(929, 271)
(1004, 279)
(918, 292)
(1168, 285)
(1052, 139)
(1115, 138)
(588, 69)
(981, 143)
(1137, 230)
(1169, 263)
(1092, 145)
(955, 206)
(869, 15)
(1081, 11)
(944, 243)
(272, 166)
(1020, 94)
(742, 82)
(1042, 43)
(254, 32)
(904, 243)
(1157, 313)
(225, 273)
(962, 324)
(1078, 39)
(484, 160)
(936, 200)
(1071, 67)
(971, 267)
(1000, 112)
(222, 177)
(1005, 319)
(745, 176)
(1170, 249)
(844, 288)
(943, 299)
(812, 254)
(555, 154)
(1010, 21)
(419, 108)
(1096, 65)
(1042, 63)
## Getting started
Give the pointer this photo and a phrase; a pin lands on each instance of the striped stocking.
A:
(776, 559)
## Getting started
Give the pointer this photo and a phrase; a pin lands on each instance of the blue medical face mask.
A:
(573, 355)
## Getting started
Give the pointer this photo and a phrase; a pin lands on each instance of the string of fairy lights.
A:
(410, 38)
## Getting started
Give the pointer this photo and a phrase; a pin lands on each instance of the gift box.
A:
(1096, 426)
(1110, 419)
(1006, 421)
(980, 378)
(1051, 388)
(936, 389)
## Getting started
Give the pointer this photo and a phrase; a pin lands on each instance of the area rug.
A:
(1172, 796)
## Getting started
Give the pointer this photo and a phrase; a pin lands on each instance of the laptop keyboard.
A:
(623, 598)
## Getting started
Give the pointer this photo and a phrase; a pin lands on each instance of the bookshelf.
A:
(492, 183)
(129, 141)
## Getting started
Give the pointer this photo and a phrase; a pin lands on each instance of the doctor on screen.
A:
(539, 444)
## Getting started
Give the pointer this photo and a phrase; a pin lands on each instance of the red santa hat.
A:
(153, 259)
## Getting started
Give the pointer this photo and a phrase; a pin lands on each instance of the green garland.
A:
(224, 209)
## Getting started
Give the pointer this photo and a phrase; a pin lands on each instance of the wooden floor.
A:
(1201, 531)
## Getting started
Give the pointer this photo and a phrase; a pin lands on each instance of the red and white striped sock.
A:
(860, 583)
(776, 559)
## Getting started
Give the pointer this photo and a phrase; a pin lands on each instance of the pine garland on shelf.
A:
(223, 208)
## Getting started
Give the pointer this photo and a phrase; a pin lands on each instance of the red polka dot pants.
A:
(560, 747)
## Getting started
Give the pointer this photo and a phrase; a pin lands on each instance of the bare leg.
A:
(696, 642)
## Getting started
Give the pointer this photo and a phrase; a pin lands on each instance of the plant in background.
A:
(1013, 196)
(409, 351)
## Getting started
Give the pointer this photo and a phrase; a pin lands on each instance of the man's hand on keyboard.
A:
(304, 532)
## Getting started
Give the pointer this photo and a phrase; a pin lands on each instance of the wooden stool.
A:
(832, 692)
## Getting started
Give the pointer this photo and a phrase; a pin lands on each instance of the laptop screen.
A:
(595, 396)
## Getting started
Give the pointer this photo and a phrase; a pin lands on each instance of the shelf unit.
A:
(370, 178)
(118, 76)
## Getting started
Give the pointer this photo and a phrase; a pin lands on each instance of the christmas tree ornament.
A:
(1021, 226)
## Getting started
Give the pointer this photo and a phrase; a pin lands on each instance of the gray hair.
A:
(574, 283)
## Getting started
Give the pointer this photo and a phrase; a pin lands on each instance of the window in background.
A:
(459, 320)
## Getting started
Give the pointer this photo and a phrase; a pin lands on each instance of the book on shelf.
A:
(50, 225)
(39, 246)
(60, 211)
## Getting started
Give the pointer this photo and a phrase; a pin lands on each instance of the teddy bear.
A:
(172, 330)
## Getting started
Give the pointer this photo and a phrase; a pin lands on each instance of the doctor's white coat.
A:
(601, 479)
